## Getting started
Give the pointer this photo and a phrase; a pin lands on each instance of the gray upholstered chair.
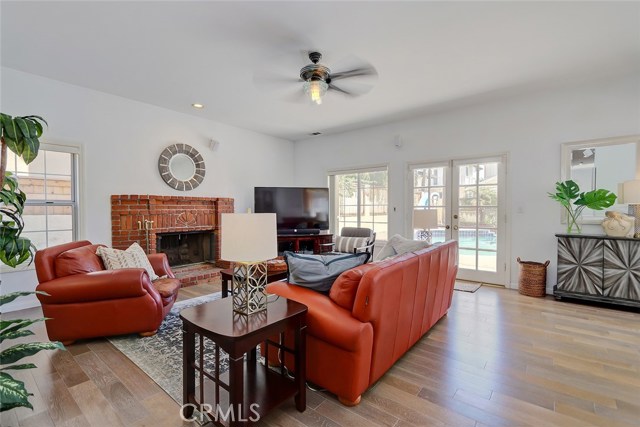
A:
(353, 240)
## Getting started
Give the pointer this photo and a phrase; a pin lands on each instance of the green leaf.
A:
(22, 323)
(11, 180)
(7, 298)
(16, 367)
(597, 199)
(565, 192)
(36, 119)
(13, 393)
(18, 351)
(9, 127)
(31, 125)
(23, 128)
(12, 144)
(7, 323)
(31, 147)
(14, 335)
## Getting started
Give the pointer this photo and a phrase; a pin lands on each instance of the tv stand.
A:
(305, 243)
(295, 231)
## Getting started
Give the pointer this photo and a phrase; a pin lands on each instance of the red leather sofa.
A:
(87, 301)
(373, 315)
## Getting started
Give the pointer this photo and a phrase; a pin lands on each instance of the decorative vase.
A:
(617, 224)
(574, 224)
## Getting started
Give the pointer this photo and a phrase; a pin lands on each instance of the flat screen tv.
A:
(297, 209)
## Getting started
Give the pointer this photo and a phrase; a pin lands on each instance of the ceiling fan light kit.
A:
(315, 89)
(317, 78)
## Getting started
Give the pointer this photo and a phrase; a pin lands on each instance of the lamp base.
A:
(249, 282)
(424, 235)
(634, 211)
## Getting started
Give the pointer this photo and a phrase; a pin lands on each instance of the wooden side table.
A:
(227, 276)
(249, 390)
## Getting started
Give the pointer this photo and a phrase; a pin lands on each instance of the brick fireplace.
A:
(171, 215)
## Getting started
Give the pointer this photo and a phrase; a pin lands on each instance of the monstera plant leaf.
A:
(566, 192)
(596, 199)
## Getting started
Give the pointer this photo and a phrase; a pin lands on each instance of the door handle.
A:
(455, 227)
(447, 227)
(455, 216)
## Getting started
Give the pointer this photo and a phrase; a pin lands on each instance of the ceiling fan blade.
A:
(337, 89)
(351, 88)
(361, 71)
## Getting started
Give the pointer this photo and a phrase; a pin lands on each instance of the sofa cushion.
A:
(348, 244)
(343, 291)
(78, 261)
(318, 272)
(398, 245)
(132, 257)
(167, 287)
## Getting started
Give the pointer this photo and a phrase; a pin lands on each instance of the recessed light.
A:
(198, 106)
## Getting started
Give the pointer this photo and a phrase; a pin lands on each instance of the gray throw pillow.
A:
(398, 245)
(318, 272)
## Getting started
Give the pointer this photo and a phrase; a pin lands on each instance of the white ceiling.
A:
(428, 54)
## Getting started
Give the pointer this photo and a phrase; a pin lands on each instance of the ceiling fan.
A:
(318, 79)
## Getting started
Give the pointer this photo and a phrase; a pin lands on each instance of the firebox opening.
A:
(187, 247)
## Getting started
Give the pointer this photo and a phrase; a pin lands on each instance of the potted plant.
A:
(569, 196)
(20, 135)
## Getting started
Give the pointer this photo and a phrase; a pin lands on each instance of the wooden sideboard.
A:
(303, 242)
(599, 268)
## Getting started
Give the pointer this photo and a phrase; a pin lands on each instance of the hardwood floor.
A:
(497, 359)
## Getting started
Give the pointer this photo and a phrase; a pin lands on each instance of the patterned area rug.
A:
(160, 356)
(466, 286)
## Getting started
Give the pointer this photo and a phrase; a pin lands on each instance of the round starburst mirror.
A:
(181, 166)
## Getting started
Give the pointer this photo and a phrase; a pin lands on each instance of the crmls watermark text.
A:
(209, 412)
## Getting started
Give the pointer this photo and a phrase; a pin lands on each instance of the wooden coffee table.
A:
(227, 277)
(248, 390)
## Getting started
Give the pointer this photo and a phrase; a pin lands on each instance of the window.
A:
(50, 182)
(360, 200)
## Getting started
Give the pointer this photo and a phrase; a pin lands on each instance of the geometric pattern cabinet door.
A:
(598, 268)
(580, 262)
(622, 269)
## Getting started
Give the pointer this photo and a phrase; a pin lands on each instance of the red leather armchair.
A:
(87, 301)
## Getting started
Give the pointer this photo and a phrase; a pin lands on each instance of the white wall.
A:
(530, 128)
(121, 141)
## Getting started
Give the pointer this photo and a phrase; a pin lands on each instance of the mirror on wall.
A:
(181, 166)
(601, 163)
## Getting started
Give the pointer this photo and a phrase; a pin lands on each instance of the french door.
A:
(469, 198)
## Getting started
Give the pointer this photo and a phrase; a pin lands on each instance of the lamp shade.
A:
(425, 218)
(248, 237)
(630, 192)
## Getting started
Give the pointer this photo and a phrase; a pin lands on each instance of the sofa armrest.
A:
(96, 286)
(326, 320)
(160, 264)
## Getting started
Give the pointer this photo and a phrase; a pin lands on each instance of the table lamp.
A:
(425, 219)
(249, 240)
(631, 195)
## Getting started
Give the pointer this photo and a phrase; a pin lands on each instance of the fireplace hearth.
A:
(186, 248)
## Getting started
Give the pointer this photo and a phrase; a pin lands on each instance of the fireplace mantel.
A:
(169, 214)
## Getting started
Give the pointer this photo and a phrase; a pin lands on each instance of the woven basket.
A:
(533, 278)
